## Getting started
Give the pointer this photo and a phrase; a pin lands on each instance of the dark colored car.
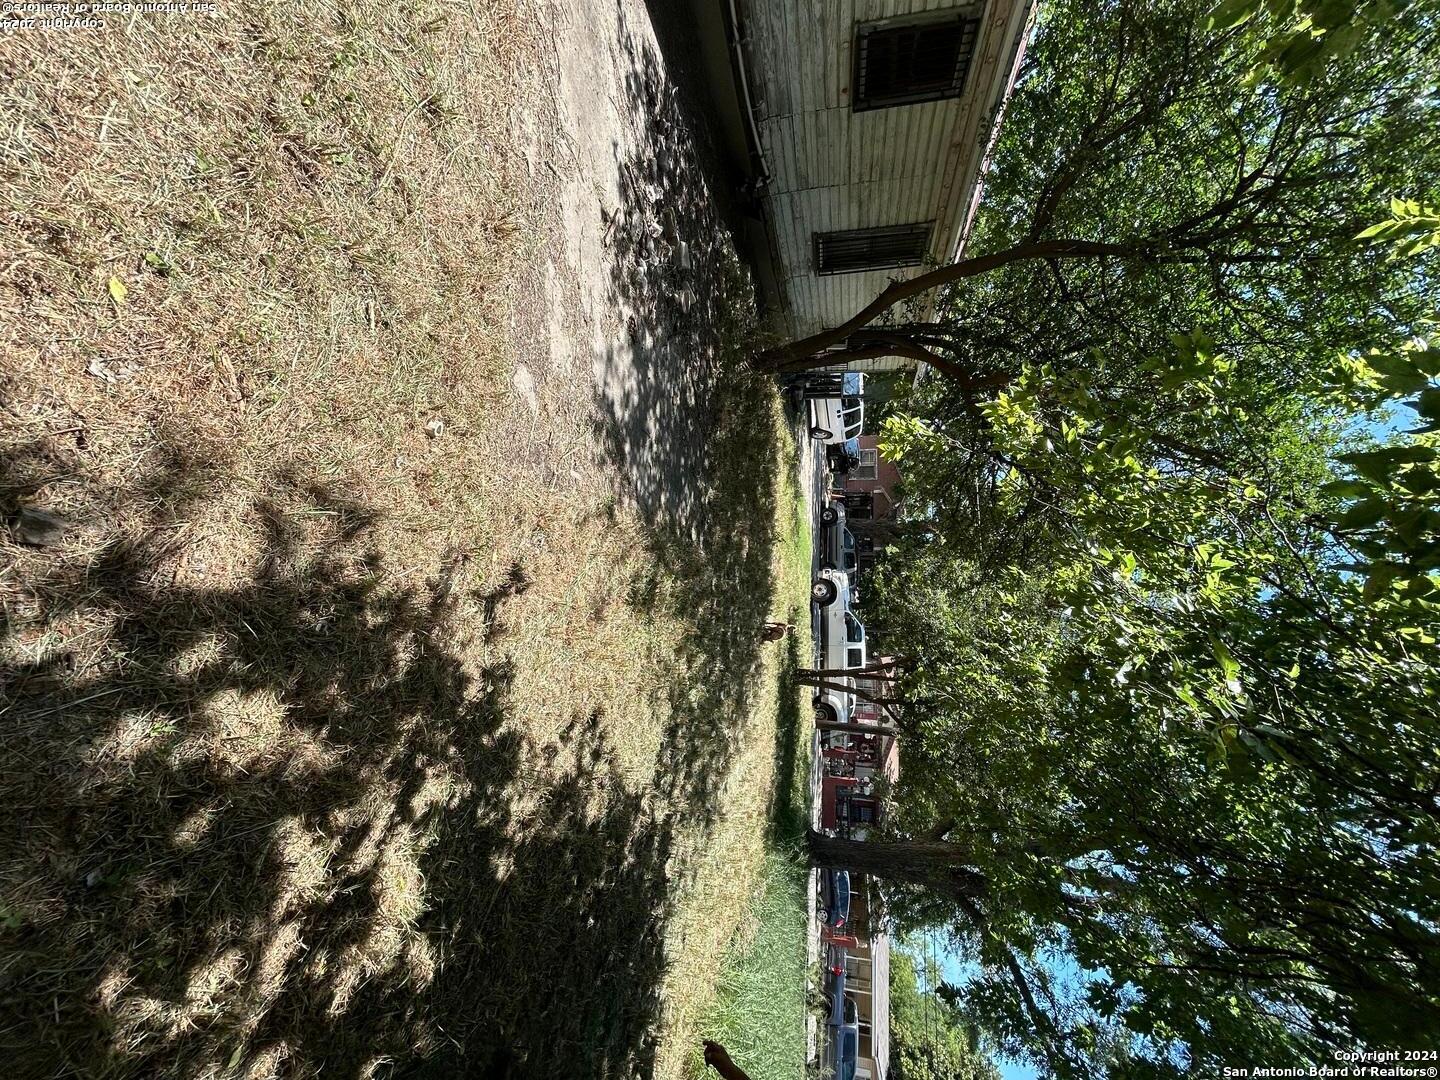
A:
(843, 458)
(847, 1044)
(837, 898)
(837, 987)
(847, 557)
(837, 543)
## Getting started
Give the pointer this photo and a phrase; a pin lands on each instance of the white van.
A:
(837, 406)
(842, 637)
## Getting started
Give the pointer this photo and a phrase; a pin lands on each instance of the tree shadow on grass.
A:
(788, 809)
(681, 416)
(283, 825)
(280, 827)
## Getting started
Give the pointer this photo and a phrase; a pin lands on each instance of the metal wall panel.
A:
(834, 169)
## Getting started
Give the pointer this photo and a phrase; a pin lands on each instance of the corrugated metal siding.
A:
(834, 169)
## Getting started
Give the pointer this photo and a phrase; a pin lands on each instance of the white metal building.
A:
(868, 125)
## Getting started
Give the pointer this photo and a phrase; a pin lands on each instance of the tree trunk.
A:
(842, 688)
(938, 866)
(858, 729)
(787, 356)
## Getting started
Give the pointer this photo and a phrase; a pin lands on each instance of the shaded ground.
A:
(340, 742)
(674, 376)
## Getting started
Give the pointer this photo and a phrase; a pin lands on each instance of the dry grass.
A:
(310, 214)
(332, 746)
(764, 792)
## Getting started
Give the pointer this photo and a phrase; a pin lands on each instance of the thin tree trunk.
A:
(869, 671)
(1051, 1039)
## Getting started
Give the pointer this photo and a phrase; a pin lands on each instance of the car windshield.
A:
(852, 383)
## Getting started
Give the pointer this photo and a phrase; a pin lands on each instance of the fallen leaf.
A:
(118, 291)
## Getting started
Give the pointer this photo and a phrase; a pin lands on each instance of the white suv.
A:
(846, 647)
(837, 407)
(842, 639)
(831, 591)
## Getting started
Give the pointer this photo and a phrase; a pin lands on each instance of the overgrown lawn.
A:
(357, 725)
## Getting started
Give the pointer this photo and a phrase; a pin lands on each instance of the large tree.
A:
(1173, 620)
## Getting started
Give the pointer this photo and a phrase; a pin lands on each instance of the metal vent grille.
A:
(901, 64)
(871, 249)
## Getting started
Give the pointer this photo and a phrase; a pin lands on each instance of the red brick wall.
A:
(886, 477)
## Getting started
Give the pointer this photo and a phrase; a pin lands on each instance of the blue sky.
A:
(957, 971)
(1016, 1070)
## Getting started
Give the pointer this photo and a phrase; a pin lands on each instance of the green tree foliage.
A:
(1175, 690)
(1301, 37)
(930, 1038)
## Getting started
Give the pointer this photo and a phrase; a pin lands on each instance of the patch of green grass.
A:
(760, 1011)
(760, 1014)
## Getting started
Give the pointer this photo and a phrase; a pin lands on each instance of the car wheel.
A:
(825, 713)
(823, 591)
(828, 516)
(819, 433)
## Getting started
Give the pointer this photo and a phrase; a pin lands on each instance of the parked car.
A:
(831, 706)
(836, 971)
(839, 415)
(849, 558)
(831, 590)
(837, 543)
(837, 898)
(840, 631)
(843, 458)
(847, 1043)
(842, 635)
